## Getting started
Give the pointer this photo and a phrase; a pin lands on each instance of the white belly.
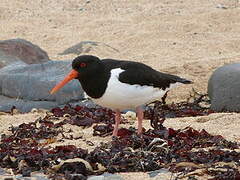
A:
(123, 96)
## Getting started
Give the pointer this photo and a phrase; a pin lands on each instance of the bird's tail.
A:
(184, 81)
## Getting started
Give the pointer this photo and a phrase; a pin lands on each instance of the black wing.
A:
(138, 73)
(141, 74)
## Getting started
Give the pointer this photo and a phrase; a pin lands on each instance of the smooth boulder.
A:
(86, 47)
(224, 88)
(20, 49)
(32, 83)
(6, 60)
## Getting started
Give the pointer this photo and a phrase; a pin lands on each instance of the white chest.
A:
(122, 96)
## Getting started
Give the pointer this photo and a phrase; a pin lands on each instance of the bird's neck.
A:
(96, 83)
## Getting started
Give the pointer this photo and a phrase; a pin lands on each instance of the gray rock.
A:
(76, 176)
(82, 47)
(2, 171)
(101, 177)
(28, 86)
(23, 105)
(224, 88)
(7, 59)
(22, 50)
(106, 176)
(20, 177)
(86, 47)
(153, 174)
(34, 176)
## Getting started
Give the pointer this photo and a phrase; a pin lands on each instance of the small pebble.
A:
(130, 115)
(220, 6)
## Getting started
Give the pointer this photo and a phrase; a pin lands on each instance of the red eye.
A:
(83, 65)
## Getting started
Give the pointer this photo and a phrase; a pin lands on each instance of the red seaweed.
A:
(26, 148)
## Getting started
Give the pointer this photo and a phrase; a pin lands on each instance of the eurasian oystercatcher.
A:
(119, 84)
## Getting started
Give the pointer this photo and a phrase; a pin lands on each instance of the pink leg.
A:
(117, 122)
(140, 119)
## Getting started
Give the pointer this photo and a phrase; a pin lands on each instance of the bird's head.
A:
(82, 67)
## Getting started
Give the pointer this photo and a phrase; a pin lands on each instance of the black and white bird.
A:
(119, 84)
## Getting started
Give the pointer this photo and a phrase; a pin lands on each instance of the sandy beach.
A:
(188, 38)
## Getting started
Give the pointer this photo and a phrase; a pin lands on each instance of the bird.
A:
(120, 84)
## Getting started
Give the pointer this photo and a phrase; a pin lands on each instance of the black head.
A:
(84, 67)
(87, 65)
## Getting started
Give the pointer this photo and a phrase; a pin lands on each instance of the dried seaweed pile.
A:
(25, 149)
(187, 152)
(196, 105)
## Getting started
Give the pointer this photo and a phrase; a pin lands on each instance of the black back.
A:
(141, 74)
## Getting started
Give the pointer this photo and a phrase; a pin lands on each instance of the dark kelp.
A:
(186, 152)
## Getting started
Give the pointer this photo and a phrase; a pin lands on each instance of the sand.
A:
(189, 38)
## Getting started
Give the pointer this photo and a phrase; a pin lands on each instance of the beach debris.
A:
(221, 6)
(102, 130)
(130, 115)
(84, 116)
(196, 105)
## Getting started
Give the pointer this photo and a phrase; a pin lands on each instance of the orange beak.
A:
(72, 75)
